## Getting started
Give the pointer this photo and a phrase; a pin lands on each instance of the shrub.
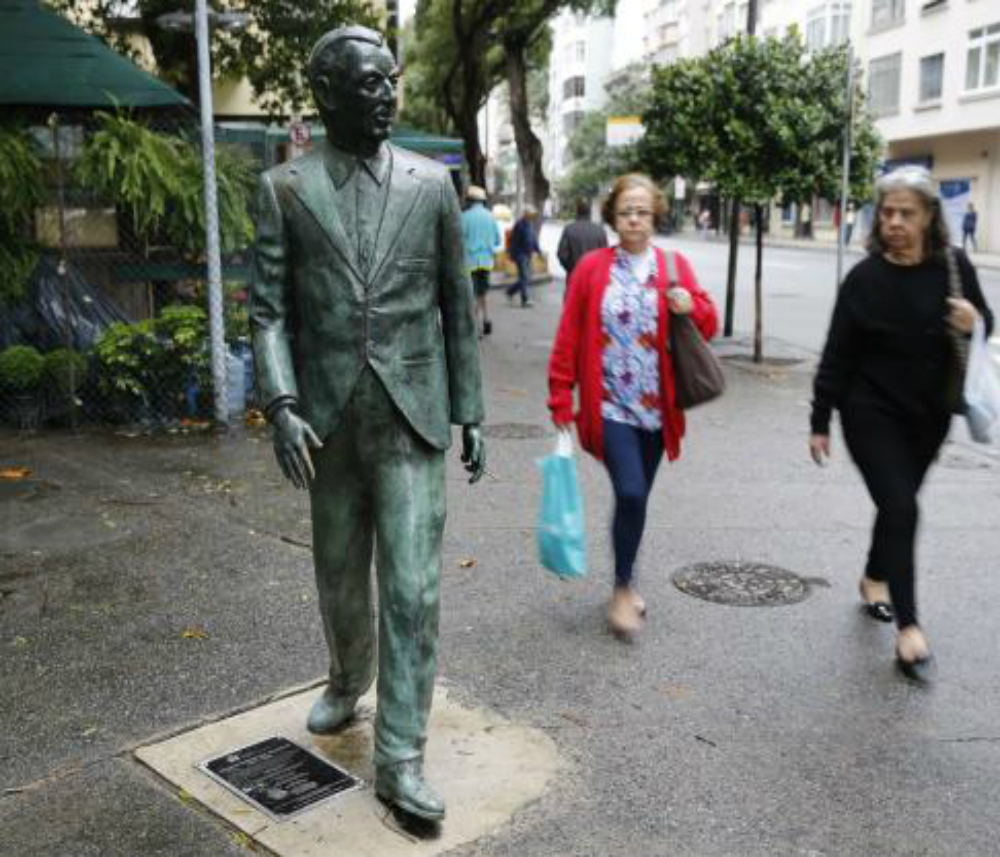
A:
(21, 368)
(65, 371)
(156, 360)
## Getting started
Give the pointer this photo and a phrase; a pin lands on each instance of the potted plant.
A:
(21, 368)
(64, 375)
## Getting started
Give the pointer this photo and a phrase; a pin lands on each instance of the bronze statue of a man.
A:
(365, 343)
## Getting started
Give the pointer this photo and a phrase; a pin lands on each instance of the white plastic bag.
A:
(982, 388)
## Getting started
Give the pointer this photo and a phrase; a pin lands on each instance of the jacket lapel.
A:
(404, 191)
(315, 189)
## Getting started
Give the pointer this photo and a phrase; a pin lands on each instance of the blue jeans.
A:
(523, 278)
(632, 457)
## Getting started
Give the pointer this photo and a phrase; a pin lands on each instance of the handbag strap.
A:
(955, 290)
(671, 269)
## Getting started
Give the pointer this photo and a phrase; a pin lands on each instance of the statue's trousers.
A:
(378, 484)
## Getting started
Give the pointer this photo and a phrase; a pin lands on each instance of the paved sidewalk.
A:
(148, 585)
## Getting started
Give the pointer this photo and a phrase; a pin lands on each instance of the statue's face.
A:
(363, 97)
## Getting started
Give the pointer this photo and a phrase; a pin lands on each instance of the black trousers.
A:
(893, 454)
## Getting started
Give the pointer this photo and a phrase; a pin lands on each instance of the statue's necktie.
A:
(368, 210)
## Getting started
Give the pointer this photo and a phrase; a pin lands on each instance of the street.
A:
(799, 284)
(150, 584)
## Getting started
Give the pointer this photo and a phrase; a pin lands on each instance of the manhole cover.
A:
(741, 584)
(514, 431)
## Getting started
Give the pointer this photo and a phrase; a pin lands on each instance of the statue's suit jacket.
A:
(318, 319)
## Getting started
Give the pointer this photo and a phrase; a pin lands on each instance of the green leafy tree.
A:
(463, 49)
(269, 52)
(155, 180)
(22, 189)
(760, 119)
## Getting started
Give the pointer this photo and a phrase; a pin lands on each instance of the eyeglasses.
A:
(642, 213)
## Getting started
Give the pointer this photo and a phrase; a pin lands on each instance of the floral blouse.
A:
(629, 320)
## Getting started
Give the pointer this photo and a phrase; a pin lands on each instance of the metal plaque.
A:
(279, 777)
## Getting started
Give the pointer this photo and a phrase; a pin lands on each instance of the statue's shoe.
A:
(403, 785)
(330, 712)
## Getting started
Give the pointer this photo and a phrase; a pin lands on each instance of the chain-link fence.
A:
(111, 326)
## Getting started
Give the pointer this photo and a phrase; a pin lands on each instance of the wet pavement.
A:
(152, 584)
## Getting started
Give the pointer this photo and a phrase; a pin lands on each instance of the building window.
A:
(574, 87)
(883, 85)
(816, 29)
(931, 77)
(887, 12)
(840, 22)
(571, 121)
(580, 51)
(828, 24)
(982, 68)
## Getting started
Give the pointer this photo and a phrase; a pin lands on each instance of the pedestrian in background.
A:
(523, 245)
(970, 220)
(482, 241)
(849, 219)
(612, 345)
(888, 366)
(579, 238)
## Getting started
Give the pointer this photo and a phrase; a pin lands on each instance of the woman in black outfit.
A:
(887, 366)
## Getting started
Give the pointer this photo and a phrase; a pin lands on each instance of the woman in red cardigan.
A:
(612, 343)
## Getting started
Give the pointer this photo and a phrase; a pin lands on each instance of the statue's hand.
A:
(473, 452)
(293, 437)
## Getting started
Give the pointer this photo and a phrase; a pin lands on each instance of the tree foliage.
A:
(22, 186)
(155, 179)
(759, 118)
(462, 50)
(270, 52)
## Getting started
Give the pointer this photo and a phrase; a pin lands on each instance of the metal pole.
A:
(214, 259)
(845, 186)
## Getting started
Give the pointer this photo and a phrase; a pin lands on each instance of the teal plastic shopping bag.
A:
(561, 539)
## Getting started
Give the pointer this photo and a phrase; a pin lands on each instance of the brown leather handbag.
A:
(698, 376)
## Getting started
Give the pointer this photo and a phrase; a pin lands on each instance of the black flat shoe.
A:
(919, 671)
(881, 611)
(878, 610)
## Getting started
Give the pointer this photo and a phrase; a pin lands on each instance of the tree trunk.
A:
(758, 288)
(734, 250)
(529, 147)
(470, 92)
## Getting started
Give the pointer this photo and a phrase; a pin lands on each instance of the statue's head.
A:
(353, 76)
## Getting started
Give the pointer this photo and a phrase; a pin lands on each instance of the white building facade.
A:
(933, 78)
(582, 48)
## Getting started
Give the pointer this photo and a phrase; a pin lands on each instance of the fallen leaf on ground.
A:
(466, 563)
(20, 641)
(13, 474)
(90, 730)
(244, 841)
(187, 422)
(255, 418)
(185, 796)
(194, 634)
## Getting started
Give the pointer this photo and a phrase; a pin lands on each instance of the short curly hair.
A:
(628, 182)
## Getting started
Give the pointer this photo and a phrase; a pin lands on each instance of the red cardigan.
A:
(576, 356)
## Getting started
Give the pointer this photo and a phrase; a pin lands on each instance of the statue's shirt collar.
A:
(342, 165)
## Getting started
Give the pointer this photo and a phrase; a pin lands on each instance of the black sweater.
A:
(888, 347)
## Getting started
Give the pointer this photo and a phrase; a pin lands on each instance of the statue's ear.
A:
(323, 92)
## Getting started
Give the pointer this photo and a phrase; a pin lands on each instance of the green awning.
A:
(46, 60)
(405, 138)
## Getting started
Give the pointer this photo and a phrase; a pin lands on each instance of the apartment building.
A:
(674, 29)
(579, 64)
(933, 77)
